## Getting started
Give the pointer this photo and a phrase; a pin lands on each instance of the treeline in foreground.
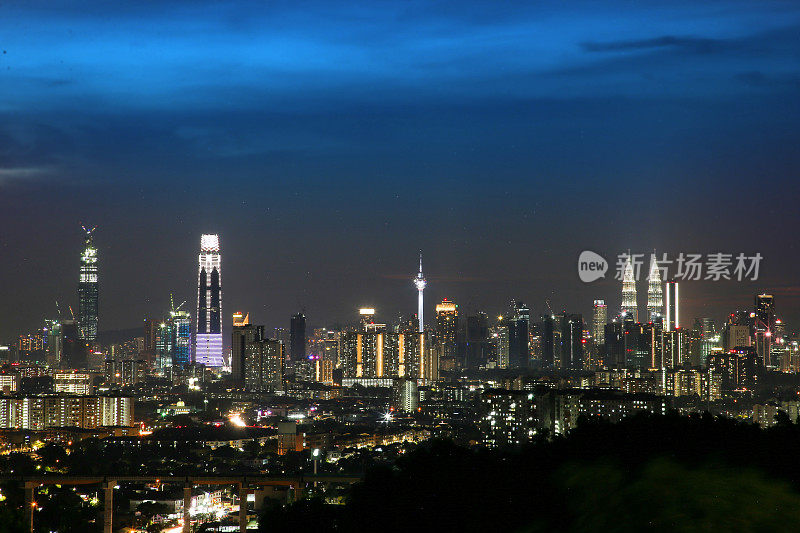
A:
(655, 473)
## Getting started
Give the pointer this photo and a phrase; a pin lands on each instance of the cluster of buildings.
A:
(65, 411)
(445, 369)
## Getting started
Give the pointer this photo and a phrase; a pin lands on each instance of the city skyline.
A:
(606, 321)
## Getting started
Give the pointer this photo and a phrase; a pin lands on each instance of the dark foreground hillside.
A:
(655, 473)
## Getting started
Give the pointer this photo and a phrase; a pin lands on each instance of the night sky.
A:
(328, 142)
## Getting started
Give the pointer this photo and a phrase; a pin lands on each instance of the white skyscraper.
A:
(629, 308)
(655, 292)
(672, 318)
(420, 283)
(599, 320)
(208, 340)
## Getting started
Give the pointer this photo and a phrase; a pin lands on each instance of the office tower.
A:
(297, 337)
(638, 342)
(599, 320)
(208, 341)
(614, 348)
(629, 309)
(420, 283)
(674, 348)
(54, 348)
(551, 341)
(181, 323)
(736, 336)
(75, 351)
(655, 293)
(150, 330)
(164, 345)
(499, 337)
(519, 335)
(477, 340)
(88, 289)
(765, 312)
(708, 326)
(240, 321)
(764, 327)
(264, 365)
(446, 329)
(672, 303)
(572, 341)
(242, 334)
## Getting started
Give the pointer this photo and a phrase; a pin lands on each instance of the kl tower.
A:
(420, 283)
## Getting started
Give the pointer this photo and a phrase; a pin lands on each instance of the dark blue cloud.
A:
(501, 136)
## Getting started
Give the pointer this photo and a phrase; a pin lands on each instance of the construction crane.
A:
(174, 309)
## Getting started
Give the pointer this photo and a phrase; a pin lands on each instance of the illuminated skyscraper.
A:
(243, 333)
(655, 293)
(420, 283)
(629, 309)
(599, 320)
(764, 327)
(208, 341)
(446, 328)
(519, 335)
(87, 289)
(572, 341)
(181, 324)
(672, 301)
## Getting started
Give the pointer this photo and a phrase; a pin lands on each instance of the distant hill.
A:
(117, 336)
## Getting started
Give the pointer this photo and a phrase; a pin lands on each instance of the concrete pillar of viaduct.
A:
(108, 506)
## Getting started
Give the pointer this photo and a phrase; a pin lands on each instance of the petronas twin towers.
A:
(655, 292)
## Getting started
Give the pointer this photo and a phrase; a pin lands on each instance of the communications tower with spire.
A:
(420, 283)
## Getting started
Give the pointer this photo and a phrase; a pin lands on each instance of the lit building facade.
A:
(61, 411)
(672, 306)
(507, 418)
(405, 395)
(264, 365)
(377, 352)
(73, 383)
(446, 329)
(88, 291)
(208, 340)
(629, 310)
(655, 292)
